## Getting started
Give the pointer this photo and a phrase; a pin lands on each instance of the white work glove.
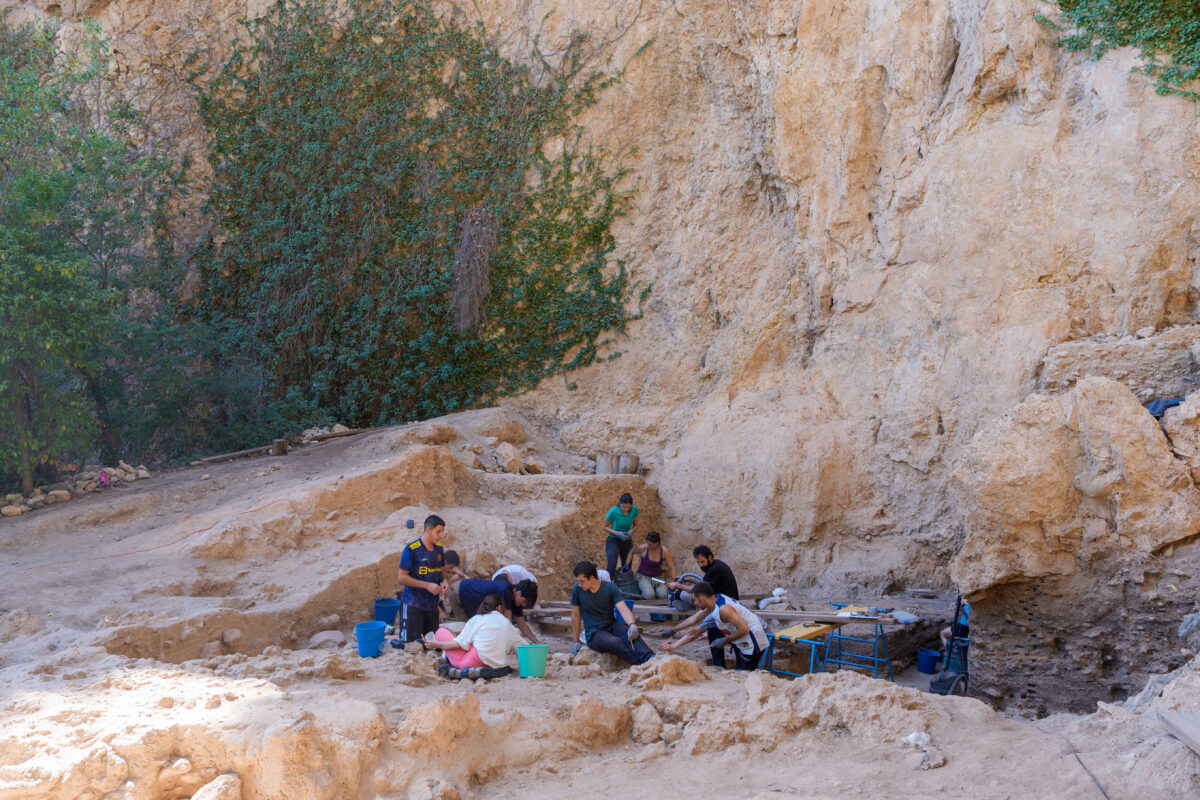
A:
(634, 632)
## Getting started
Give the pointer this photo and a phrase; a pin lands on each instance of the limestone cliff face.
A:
(870, 228)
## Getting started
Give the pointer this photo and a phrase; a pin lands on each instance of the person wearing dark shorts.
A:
(421, 565)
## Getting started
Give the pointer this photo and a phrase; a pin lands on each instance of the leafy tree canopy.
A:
(405, 220)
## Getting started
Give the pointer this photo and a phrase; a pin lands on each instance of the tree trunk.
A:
(110, 449)
(22, 422)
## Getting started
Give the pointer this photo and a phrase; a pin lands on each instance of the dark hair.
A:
(653, 536)
(701, 550)
(528, 590)
(433, 521)
(626, 498)
(585, 568)
(488, 604)
(452, 558)
(703, 588)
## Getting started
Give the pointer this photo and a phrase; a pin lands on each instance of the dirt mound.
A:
(663, 671)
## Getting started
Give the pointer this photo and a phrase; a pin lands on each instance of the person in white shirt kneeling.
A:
(483, 647)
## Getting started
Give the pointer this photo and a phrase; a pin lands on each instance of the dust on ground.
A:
(156, 643)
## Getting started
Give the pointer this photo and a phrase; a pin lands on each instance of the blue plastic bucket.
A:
(370, 638)
(617, 611)
(927, 660)
(658, 617)
(386, 609)
(531, 660)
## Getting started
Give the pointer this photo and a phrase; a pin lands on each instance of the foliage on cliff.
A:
(406, 221)
(1165, 32)
(75, 199)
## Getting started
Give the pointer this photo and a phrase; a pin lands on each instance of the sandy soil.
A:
(154, 645)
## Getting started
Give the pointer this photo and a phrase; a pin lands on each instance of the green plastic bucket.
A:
(531, 660)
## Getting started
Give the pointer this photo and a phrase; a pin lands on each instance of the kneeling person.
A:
(595, 604)
(735, 624)
(483, 647)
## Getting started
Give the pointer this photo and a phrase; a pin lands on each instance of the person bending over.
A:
(421, 565)
(595, 605)
(513, 600)
(483, 647)
(514, 574)
(736, 626)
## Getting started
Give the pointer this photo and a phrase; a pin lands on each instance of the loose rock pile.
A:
(89, 480)
(498, 456)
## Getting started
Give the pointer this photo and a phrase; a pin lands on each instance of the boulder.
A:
(331, 638)
(10, 511)
(143, 473)
(509, 457)
(58, 495)
(13, 499)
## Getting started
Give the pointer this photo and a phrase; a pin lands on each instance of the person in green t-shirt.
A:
(619, 523)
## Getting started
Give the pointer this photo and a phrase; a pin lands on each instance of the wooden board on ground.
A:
(1184, 727)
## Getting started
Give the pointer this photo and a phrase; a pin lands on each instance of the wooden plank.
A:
(804, 631)
(1184, 727)
(793, 616)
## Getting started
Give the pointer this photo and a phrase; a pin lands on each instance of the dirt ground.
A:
(154, 644)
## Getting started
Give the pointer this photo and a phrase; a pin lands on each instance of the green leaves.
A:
(378, 167)
(1166, 32)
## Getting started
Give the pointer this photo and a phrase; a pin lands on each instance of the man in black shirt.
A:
(719, 576)
(717, 573)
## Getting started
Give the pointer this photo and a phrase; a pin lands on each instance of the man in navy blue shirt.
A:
(513, 600)
(421, 565)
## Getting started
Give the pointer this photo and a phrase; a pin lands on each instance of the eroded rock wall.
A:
(1081, 551)
(870, 228)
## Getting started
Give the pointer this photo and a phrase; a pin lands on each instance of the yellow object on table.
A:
(805, 631)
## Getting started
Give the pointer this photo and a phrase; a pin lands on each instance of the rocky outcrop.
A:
(1080, 554)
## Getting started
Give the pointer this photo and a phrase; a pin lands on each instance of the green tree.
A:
(1166, 32)
(69, 216)
(405, 221)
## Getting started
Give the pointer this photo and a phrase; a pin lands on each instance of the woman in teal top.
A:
(619, 523)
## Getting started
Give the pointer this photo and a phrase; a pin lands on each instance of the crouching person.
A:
(483, 647)
(736, 625)
(595, 605)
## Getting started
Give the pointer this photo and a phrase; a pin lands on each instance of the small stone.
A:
(339, 428)
(1145, 333)
(143, 473)
(205, 476)
(125, 467)
(226, 787)
(534, 467)
(58, 495)
(11, 511)
(13, 499)
(129, 477)
(213, 702)
(166, 702)
(231, 637)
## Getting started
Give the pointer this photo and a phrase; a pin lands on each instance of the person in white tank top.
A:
(738, 626)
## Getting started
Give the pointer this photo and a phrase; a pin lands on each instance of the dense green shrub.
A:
(1165, 32)
(73, 218)
(405, 221)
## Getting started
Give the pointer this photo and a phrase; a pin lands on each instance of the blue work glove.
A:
(576, 646)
